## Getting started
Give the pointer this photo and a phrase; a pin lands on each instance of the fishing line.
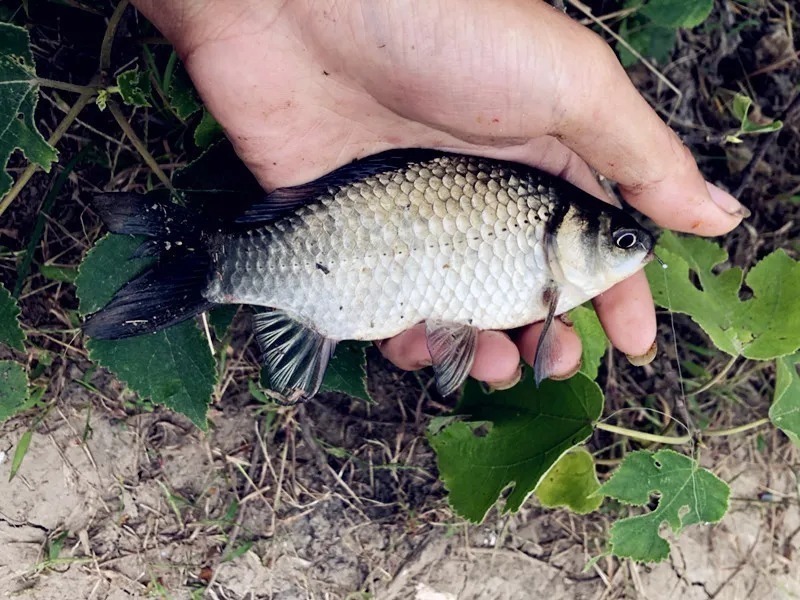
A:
(683, 409)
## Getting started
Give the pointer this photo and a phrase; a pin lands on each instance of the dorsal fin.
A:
(283, 201)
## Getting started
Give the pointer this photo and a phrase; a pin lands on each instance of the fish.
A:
(458, 242)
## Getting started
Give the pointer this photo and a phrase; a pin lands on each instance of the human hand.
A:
(304, 86)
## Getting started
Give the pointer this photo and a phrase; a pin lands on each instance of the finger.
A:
(627, 315)
(496, 359)
(407, 350)
(566, 358)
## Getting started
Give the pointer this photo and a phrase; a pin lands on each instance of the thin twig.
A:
(714, 380)
(108, 37)
(114, 109)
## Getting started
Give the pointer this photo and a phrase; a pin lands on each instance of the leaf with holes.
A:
(593, 339)
(511, 438)
(134, 87)
(687, 495)
(762, 327)
(173, 367)
(19, 94)
(11, 333)
(785, 410)
(571, 483)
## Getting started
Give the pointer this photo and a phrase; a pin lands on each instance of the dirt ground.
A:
(149, 508)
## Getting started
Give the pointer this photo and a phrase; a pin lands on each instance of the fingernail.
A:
(563, 376)
(498, 387)
(727, 202)
(643, 359)
(564, 318)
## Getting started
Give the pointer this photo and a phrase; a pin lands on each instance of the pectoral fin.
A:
(294, 356)
(452, 347)
(545, 358)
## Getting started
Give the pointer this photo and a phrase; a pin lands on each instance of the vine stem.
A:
(714, 380)
(113, 107)
(62, 128)
(64, 86)
(108, 37)
(737, 429)
(645, 437)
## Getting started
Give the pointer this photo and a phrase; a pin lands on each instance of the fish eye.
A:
(625, 238)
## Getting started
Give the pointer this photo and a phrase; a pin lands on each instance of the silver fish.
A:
(462, 243)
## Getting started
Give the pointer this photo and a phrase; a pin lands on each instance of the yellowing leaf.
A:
(785, 410)
(687, 494)
(134, 87)
(511, 439)
(19, 94)
(571, 483)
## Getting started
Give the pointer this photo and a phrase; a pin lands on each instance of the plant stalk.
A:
(645, 437)
(113, 107)
(737, 429)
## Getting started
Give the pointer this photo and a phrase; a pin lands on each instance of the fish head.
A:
(596, 245)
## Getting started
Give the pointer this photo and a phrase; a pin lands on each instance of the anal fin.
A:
(452, 347)
(295, 356)
(548, 347)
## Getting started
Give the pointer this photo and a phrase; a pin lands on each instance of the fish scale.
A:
(455, 239)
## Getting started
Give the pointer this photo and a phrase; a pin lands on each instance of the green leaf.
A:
(173, 367)
(688, 494)
(571, 483)
(740, 107)
(593, 339)
(648, 39)
(678, 13)
(528, 431)
(763, 327)
(10, 331)
(221, 317)
(181, 94)
(19, 94)
(13, 389)
(347, 372)
(57, 273)
(207, 131)
(134, 87)
(785, 410)
(19, 453)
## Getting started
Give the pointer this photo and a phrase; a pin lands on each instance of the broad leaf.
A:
(13, 389)
(785, 410)
(134, 87)
(593, 339)
(208, 130)
(763, 327)
(173, 367)
(687, 494)
(19, 94)
(571, 483)
(678, 13)
(512, 438)
(347, 371)
(10, 331)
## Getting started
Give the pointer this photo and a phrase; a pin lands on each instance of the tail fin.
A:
(171, 290)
